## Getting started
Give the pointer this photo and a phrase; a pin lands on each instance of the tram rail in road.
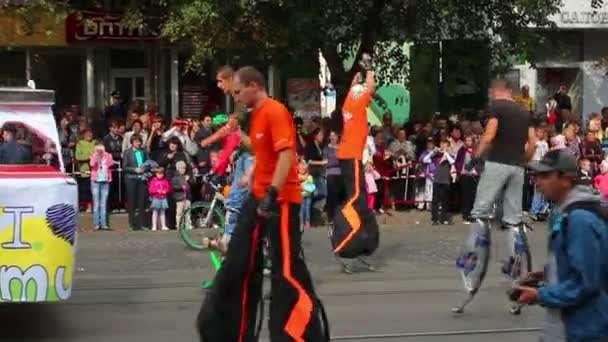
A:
(448, 333)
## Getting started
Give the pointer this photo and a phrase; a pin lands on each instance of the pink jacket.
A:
(159, 187)
(231, 142)
(106, 163)
(601, 184)
(370, 181)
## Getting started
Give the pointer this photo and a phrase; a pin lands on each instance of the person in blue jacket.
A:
(575, 288)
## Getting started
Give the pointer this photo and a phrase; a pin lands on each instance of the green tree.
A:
(284, 30)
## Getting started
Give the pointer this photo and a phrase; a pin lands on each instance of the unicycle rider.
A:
(228, 313)
(508, 142)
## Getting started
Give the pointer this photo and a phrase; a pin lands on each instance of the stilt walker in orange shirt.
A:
(228, 313)
(355, 231)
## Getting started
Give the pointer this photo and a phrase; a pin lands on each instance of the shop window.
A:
(12, 69)
(128, 59)
(60, 72)
(22, 144)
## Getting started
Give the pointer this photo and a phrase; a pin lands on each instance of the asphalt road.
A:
(143, 286)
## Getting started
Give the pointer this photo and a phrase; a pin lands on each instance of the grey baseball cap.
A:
(555, 161)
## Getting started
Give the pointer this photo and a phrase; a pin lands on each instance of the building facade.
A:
(575, 60)
(91, 54)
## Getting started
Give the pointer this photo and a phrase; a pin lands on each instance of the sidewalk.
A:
(119, 221)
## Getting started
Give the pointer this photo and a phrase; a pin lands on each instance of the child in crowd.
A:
(180, 185)
(558, 142)
(159, 189)
(469, 176)
(601, 181)
(424, 192)
(539, 205)
(443, 162)
(585, 173)
(371, 175)
(595, 126)
(592, 150)
(308, 190)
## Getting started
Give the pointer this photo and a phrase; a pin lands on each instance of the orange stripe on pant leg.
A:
(302, 310)
(349, 212)
(250, 269)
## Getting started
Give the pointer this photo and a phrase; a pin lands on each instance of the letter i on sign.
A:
(17, 213)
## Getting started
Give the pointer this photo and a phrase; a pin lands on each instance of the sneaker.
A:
(446, 223)
(153, 229)
(97, 228)
(465, 221)
(306, 225)
(105, 228)
(434, 223)
(164, 228)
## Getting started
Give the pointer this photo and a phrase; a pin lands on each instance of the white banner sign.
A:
(38, 226)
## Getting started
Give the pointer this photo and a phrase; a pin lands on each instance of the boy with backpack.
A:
(574, 286)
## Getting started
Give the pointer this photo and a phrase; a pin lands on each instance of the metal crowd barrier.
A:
(116, 194)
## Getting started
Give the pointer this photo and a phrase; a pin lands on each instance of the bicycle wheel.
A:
(196, 224)
(473, 262)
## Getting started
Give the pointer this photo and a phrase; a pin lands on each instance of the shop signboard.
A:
(580, 14)
(89, 26)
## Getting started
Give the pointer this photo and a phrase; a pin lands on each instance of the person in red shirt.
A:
(355, 231)
(228, 313)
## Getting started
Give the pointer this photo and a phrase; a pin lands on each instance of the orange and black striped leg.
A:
(294, 309)
(228, 313)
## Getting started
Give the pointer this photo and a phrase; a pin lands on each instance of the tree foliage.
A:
(282, 30)
(285, 30)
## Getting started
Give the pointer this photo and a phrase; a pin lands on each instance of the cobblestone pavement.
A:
(143, 286)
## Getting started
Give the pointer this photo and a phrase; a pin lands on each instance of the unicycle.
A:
(473, 262)
(519, 263)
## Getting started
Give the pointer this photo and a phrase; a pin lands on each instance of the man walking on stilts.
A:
(228, 313)
(355, 231)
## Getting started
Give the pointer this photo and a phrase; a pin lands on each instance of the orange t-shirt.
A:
(271, 131)
(354, 133)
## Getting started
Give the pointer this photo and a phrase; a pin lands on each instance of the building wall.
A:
(595, 78)
(575, 60)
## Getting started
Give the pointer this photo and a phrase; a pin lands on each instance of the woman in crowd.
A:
(383, 164)
(101, 177)
(84, 149)
(335, 191)
(136, 129)
(316, 163)
(155, 143)
(135, 182)
(174, 154)
(300, 140)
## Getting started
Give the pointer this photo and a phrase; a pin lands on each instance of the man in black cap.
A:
(117, 110)
(575, 287)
